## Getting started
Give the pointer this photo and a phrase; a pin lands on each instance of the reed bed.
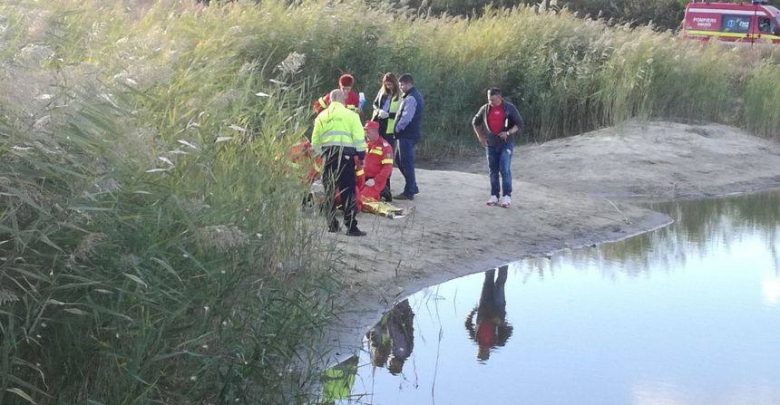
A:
(566, 74)
(153, 244)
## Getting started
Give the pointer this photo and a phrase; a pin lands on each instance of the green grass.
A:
(153, 249)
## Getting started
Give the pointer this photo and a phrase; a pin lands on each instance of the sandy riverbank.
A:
(568, 193)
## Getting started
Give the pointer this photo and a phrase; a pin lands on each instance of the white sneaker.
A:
(505, 201)
(493, 200)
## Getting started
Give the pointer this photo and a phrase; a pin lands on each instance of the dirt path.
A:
(568, 193)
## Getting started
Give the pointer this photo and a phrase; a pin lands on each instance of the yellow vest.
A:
(394, 103)
(338, 126)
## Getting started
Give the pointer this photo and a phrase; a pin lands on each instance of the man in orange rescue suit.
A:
(352, 101)
(378, 164)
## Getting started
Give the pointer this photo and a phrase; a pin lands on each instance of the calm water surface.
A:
(689, 314)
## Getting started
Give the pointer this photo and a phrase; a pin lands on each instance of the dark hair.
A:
(406, 78)
(494, 91)
(390, 77)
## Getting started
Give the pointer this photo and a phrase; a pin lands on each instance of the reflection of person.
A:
(392, 339)
(337, 381)
(386, 104)
(491, 328)
(338, 136)
(495, 124)
(351, 98)
(407, 132)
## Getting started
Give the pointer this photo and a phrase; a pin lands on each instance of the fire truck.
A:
(753, 23)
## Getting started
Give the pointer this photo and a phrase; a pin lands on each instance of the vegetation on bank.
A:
(566, 74)
(153, 246)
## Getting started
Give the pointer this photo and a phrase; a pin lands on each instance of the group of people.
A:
(349, 148)
(358, 159)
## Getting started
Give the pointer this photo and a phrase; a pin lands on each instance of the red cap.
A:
(371, 125)
(346, 80)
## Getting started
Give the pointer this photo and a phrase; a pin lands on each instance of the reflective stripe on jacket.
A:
(352, 102)
(338, 126)
(380, 103)
(394, 104)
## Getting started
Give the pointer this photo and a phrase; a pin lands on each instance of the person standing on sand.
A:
(351, 98)
(339, 138)
(408, 133)
(495, 125)
(386, 104)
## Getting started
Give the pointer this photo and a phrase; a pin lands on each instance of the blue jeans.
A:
(499, 159)
(406, 165)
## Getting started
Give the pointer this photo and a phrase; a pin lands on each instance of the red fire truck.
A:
(754, 22)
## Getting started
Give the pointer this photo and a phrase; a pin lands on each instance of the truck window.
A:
(736, 23)
(764, 25)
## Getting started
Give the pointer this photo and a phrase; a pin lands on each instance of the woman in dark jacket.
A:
(386, 105)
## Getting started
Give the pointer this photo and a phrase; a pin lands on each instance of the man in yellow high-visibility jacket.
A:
(338, 136)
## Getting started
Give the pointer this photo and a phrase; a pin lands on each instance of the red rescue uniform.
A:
(352, 102)
(378, 165)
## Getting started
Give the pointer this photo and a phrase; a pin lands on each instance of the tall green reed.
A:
(761, 112)
(153, 245)
(567, 74)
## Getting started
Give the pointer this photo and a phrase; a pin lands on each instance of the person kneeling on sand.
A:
(375, 173)
(378, 164)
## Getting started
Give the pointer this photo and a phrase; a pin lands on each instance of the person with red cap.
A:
(346, 81)
(377, 165)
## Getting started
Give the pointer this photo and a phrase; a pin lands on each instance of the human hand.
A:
(382, 114)
(370, 182)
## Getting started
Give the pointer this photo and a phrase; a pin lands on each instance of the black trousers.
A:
(390, 138)
(338, 177)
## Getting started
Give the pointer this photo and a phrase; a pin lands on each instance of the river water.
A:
(688, 314)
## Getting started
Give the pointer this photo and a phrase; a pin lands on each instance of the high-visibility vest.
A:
(338, 126)
(394, 104)
(338, 380)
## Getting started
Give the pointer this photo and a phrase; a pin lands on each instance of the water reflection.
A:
(701, 228)
(688, 314)
(491, 328)
(392, 339)
(338, 380)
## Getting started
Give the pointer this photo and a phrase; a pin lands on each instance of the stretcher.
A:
(383, 209)
(369, 206)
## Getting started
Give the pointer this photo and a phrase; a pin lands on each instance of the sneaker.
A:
(505, 201)
(355, 232)
(403, 197)
(493, 200)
